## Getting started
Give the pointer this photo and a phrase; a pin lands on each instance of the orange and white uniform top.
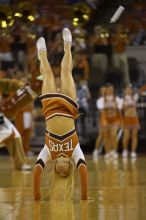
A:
(130, 119)
(58, 104)
(66, 145)
(119, 42)
(111, 107)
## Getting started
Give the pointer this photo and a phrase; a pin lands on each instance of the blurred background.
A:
(97, 44)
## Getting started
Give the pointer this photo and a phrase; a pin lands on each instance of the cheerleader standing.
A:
(111, 105)
(130, 122)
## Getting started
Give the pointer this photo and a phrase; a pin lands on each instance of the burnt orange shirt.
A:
(119, 42)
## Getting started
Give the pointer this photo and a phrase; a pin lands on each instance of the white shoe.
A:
(41, 45)
(133, 155)
(125, 154)
(114, 154)
(107, 156)
(67, 36)
(25, 167)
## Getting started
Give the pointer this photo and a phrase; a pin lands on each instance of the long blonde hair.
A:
(62, 188)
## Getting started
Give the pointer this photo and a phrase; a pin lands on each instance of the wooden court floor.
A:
(118, 192)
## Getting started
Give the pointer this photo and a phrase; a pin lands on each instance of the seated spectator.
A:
(119, 41)
(99, 59)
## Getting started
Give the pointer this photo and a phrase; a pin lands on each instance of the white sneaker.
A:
(114, 154)
(41, 45)
(25, 167)
(125, 154)
(67, 36)
(107, 156)
(133, 155)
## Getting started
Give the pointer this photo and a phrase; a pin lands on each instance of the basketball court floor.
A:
(117, 191)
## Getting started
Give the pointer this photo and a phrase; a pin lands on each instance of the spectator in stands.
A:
(119, 41)
(99, 59)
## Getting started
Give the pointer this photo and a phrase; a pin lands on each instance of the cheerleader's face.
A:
(128, 91)
(62, 168)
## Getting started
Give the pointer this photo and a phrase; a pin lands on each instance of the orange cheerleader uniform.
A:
(61, 145)
(130, 119)
(111, 107)
(66, 145)
(58, 104)
(131, 122)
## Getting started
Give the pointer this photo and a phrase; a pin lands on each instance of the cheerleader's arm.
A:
(79, 159)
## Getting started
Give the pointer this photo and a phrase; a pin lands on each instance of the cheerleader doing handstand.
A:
(60, 110)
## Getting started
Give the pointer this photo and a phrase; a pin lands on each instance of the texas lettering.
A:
(67, 146)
